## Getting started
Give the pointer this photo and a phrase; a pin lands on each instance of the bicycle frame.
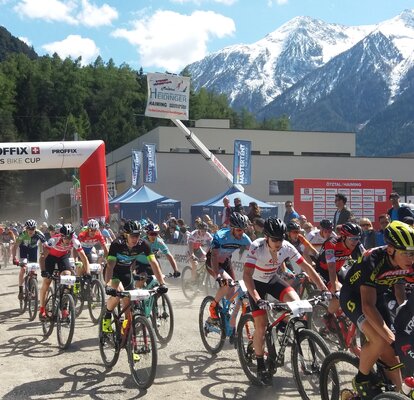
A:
(238, 298)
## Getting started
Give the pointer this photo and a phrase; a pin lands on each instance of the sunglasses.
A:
(92, 230)
(134, 235)
(353, 238)
(152, 233)
(365, 224)
(275, 240)
(31, 229)
(408, 254)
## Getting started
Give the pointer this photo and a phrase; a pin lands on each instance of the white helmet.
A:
(93, 224)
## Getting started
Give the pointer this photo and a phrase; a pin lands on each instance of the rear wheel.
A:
(66, 321)
(142, 352)
(110, 342)
(32, 298)
(163, 318)
(212, 332)
(190, 288)
(49, 322)
(307, 357)
(96, 301)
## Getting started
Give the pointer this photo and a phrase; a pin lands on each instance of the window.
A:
(281, 188)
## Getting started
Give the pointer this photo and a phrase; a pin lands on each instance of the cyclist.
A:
(362, 300)
(27, 242)
(123, 253)
(198, 239)
(8, 237)
(265, 257)
(318, 237)
(225, 242)
(156, 244)
(91, 236)
(58, 249)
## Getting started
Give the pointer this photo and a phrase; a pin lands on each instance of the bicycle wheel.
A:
(189, 287)
(142, 352)
(212, 332)
(96, 300)
(109, 343)
(308, 353)
(337, 372)
(66, 321)
(390, 396)
(308, 290)
(79, 295)
(32, 298)
(23, 301)
(162, 318)
(331, 332)
(49, 322)
(245, 349)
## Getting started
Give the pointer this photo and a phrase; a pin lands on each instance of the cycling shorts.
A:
(276, 287)
(325, 275)
(28, 252)
(141, 268)
(124, 275)
(63, 263)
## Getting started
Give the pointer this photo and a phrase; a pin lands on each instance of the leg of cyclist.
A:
(50, 262)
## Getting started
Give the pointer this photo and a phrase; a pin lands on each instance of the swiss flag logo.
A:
(35, 150)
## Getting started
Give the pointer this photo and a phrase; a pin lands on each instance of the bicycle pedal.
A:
(136, 357)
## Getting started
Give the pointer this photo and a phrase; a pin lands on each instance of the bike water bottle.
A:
(408, 387)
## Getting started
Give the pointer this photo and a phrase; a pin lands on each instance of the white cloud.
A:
(74, 46)
(25, 40)
(199, 2)
(278, 2)
(170, 40)
(73, 12)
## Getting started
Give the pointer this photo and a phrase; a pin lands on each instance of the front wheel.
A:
(189, 287)
(212, 331)
(142, 352)
(308, 353)
(32, 298)
(337, 372)
(163, 318)
(96, 301)
(66, 321)
(110, 342)
(49, 322)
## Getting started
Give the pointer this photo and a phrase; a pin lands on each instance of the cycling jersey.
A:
(198, 239)
(125, 256)
(226, 243)
(88, 241)
(265, 264)
(7, 237)
(30, 241)
(314, 237)
(58, 248)
(157, 245)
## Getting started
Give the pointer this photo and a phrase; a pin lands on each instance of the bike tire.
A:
(213, 334)
(390, 396)
(188, 286)
(245, 349)
(96, 300)
(79, 299)
(66, 324)
(162, 318)
(23, 301)
(337, 372)
(142, 352)
(110, 343)
(307, 366)
(49, 323)
(32, 298)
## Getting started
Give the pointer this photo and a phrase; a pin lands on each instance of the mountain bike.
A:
(30, 299)
(214, 332)
(308, 349)
(303, 285)
(203, 283)
(135, 335)
(60, 309)
(91, 292)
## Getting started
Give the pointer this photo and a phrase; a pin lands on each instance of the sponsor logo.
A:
(405, 348)
(410, 326)
(350, 305)
(14, 151)
(64, 151)
(35, 150)
(354, 277)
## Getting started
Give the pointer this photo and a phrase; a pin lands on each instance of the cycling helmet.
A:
(293, 226)
(274, 228)
(132, 227)
(57, 227)
(399, 235)
(67, 230)
(238, 220)
(152, 228)
(93, 224)
(326, 224)
(350, 229)
(30, 223)
(203, 226)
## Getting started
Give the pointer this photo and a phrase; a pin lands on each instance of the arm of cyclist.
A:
(400, 293)
(335, 286)
(248, 281)
(373, 316)
(307, 245)
(171, 260)
(156, 269)
(215, 261)
(313, 275)
(85, 261)
(109, 269)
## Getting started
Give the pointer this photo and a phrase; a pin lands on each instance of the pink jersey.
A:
(58, 248)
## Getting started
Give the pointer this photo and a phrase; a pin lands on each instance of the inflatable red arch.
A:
(88, 156)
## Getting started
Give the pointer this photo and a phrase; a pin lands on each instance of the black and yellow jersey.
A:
(375, 269)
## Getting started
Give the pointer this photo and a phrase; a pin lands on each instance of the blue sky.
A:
(166, 35)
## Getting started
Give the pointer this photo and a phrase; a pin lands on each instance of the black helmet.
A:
(326, 224)
(203, 226)
(238, 220)
(152, 228)
(132, 227)
(399, 235)
(67, 230)
(350, 229)
(292, 226)
(274, 228)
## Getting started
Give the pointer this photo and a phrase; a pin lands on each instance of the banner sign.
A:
(149, 163)
(242, 162)
(136, 166)
(367, 198)
(168, 96)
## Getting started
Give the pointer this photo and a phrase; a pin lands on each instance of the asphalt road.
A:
(34, 368)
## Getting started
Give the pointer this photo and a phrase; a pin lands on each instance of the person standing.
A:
(290, 212)
(225, 218)
(238, 208)
(383, 220)
(397, 212)
(342, 213)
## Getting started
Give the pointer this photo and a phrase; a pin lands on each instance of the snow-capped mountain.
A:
(323, 76)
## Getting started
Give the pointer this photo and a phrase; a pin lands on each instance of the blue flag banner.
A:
(136, 166)
(150, 163)
(242, 162)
